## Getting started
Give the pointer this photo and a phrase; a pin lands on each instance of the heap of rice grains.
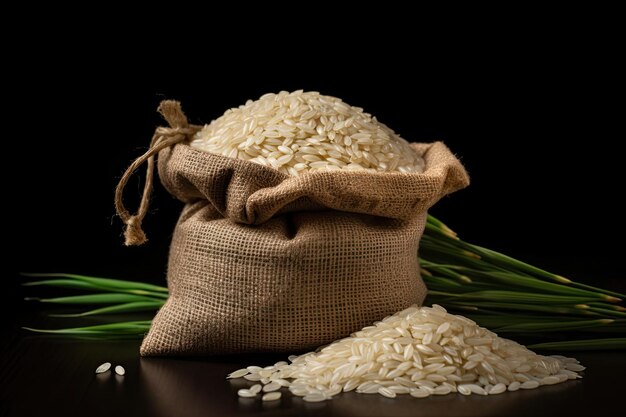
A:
(306, 131)
(419, 351)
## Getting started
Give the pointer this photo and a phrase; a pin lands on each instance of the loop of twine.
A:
(163, 137)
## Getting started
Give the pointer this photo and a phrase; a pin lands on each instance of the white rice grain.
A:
(272, 386)
(386, 392)
(246, 393)
(103, 368)
(238, 373)
(314, 398)
(271, 396)
(497, 389)
(514, 386)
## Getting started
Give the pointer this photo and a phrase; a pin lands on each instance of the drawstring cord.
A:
(163, 137)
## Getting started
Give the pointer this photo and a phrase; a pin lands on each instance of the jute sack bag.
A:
(262, 261)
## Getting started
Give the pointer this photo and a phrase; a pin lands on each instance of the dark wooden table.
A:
(43, 376)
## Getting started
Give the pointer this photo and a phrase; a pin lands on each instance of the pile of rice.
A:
(306, 131)
(419, 351)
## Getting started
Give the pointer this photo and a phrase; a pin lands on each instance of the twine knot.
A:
(164, 137)
(134, 234)
(173, 131)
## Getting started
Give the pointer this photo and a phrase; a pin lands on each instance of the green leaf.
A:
(527, 282)
(129, 327)
(559, 326)
(62, 283)
(585, 344)
(104, 298)
(119, 308)
(103, 282)
(514, 296)
(520, 307)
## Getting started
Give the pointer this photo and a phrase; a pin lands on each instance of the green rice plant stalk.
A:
(552, 326)
(89, 299)
(588, 344)
(118, 308)
(497, 291)
(97, 284)
(515, 296)
(497, 260)
(122, 328)
(513, 308)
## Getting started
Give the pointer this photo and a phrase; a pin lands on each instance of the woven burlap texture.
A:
(261, 261)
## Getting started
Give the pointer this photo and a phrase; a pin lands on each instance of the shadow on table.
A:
(187, 387)
(198, 387)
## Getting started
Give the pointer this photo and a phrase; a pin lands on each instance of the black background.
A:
(536, 124)
(534, 115)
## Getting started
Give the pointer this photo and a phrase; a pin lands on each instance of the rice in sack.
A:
(288, 246)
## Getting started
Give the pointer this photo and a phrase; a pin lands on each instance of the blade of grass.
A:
(527, 282)
(586, 344)
(129, 327)
(453, 286)
(554, 326)
(448, 246)
(501, 259)
(63, 283)
(620, 297)
(618, 326)
(119, 308)
(509, 262)
(608, 312)
(434, 254)
(434, 280)
(451, 273)
(440, 225)
(539, 308)
(609, 306)
(82, 285)
(105, 282)
(512, 296)
(523, 318)
(105, 298)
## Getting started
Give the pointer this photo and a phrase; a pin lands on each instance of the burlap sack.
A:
(262, 261)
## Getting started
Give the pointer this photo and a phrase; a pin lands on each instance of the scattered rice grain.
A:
(103, 368)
